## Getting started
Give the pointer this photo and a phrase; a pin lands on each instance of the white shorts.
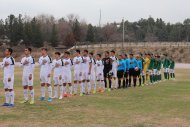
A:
(158, 72)
(86, 76)
(57, 80)
(45, 79)
(93, 76)
(172, 71)
(26, 81)
(142, 73)
(67, 77)
(166, 70)
(114, 73)
(100, 77)
(77, 76)
(155, 71)
(8, 85)
(150, 72)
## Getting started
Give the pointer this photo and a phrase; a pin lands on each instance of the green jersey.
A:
(159, 64)
(166, 63)
(151, 65)
(155, 64)
(172, 64)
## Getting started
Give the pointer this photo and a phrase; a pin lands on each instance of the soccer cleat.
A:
(5, 104)
(64, 95)
(54, 97)
(32, 102)
(49, 99)
(11, 105)
(109, 90)
(70, 95)
(81, 94)
(102, 90)
(142, 84)
(99, 90)
(23, 102)
(42, 98)
(94, 91)
(75, 94)
(61, 97)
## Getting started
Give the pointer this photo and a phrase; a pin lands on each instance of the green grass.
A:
(163, 105)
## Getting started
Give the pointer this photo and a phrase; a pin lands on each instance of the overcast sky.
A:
(112, 10)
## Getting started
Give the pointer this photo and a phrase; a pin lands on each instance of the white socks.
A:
(89, 87)
(43, 91)
(56, 91)
(50, 91)
(64, 90)
(70, 89)
(12, 97)
(61, 90)
(7, 96)
(75, 88)
(81, 87)
(26, 94)
(32, 94)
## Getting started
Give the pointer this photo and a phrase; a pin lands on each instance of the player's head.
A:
(27, 51)
(66, 54)
(85, 52)
(112, 53)
(57, 55)
(8, 51)
(91, 54)
(120, 57)
(107, 53)
(77, 52)
(44, 51)
(138, 57)
(124, 56)
(131, 55)
(98, 56)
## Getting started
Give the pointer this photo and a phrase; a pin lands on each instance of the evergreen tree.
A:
(90, 33)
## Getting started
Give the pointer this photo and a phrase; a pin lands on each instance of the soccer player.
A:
(99, 73)
(114, 69)
(107, 61)
(151, 68)
(77, 62)
(145, 69)
(139, 72)
(166, 65)
(159, 65)
(45, 74)
(133, 67)
(57, 65)
(142, 72)
(93, 75)
(67, 74)
(120, 70)
(172, 66)
(28, 64)
(8, 79)
(126, 74)
(86, 72)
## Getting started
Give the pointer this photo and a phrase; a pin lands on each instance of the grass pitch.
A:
(164, 105)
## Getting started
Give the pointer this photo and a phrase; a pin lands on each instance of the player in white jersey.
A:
(8, 79)
(28, 64)
(67, 74)
(86, 72)
(114, 69)
(100, 73)
(45, 74)
(77, 62)
(93, 74)
(57, 65)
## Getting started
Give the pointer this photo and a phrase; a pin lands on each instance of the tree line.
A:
(34, 31)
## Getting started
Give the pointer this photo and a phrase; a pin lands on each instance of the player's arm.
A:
(90, 66)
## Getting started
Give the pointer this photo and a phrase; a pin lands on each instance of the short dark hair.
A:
(29, 49)
(107, 52)
(67, 52)
(78, 51)
(99, 55)
(91, 53)
(86, 51)
(10, 50)
(113, 51)
(44, 49)
(58, 53)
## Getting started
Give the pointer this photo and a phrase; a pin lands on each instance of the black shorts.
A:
(120, 74)
(106, 74)
(138, 72)
(132, 72)
(126, 74)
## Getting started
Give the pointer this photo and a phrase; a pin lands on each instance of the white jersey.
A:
(57, 70)
(9, 69)
(93, 65)
(28, 68)
(46, 67)
(67, 67)
(114, 63)
(86, 64)
(77, 66)
(99, 67)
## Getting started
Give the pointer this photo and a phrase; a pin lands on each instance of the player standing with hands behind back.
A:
(8, 79)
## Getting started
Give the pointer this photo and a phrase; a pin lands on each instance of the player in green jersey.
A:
(172, 67)
(166, 65)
